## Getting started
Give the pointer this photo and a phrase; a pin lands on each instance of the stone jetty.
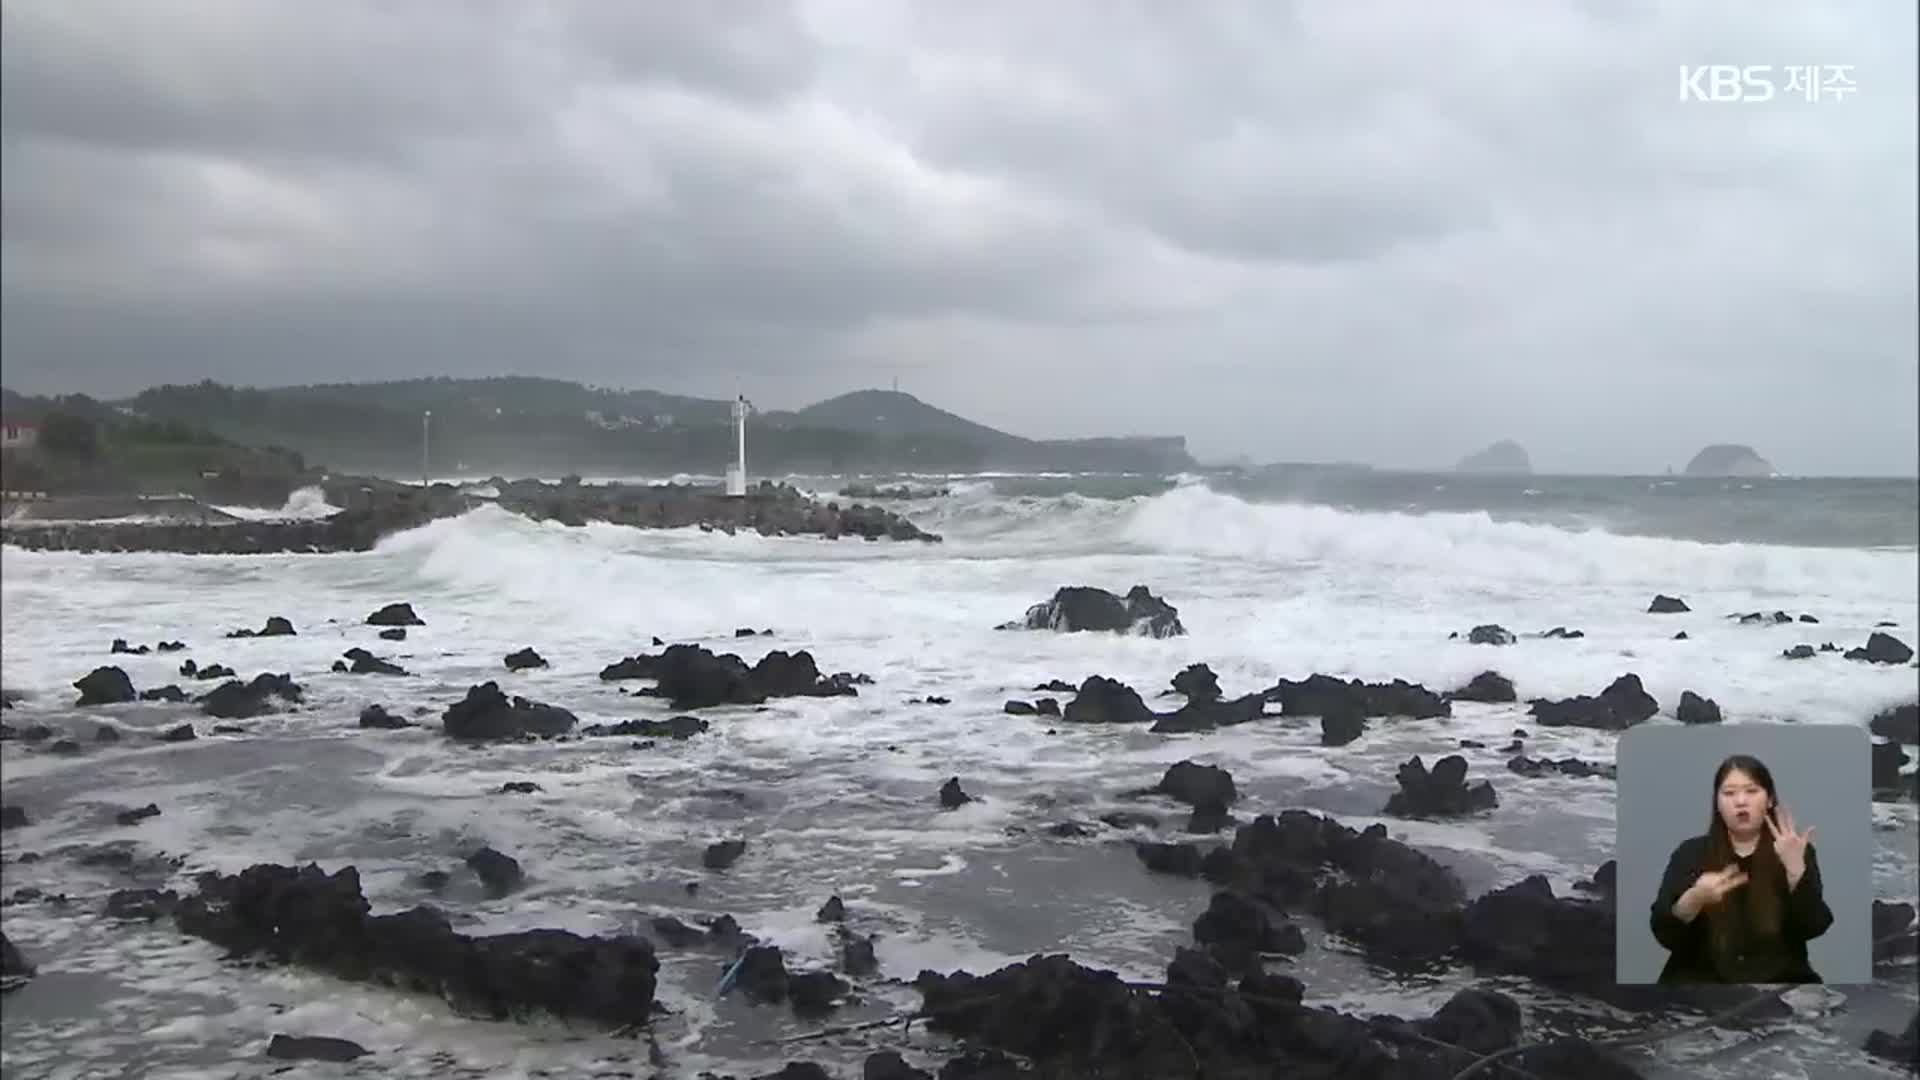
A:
(371, 508)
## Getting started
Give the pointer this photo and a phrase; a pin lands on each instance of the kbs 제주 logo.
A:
(1751, 84)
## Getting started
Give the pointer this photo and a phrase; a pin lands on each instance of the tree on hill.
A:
(70, 435)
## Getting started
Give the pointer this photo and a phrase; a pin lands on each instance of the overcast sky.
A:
(1374, 230)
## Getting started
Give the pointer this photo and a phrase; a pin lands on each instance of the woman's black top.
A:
(1753, 957)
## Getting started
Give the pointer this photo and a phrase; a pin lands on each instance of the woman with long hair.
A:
(1739, 904)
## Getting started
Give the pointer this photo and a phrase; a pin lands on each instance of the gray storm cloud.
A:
(1383, 231)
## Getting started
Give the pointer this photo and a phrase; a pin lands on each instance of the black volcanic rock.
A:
(487, 713)
(1694, 709)
(378, 718)
(236, 700)
(1076, 608)
(321, 921)
(694, 677)
(952, 797)
(395, 615)
(1491, 634)
(1901, 723)
(1197, 683)
(1341, 729)
(365, 663)
(1667, 605)
(314, 1048)
(1489, 687)
(1199, 786)
(1106, 701)
(1324, 695)
(1441, 792)
(1621, 705)
(524, 660)
(104, 686)
(1882, 649)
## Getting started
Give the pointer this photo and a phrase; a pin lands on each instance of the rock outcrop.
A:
(1077, 608)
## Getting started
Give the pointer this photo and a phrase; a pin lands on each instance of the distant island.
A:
(1729, 459)
(525, 426)
(1505, 456)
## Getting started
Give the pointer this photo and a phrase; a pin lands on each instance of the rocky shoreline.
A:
(372, 508)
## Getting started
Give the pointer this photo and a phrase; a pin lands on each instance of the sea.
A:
(1277, 573)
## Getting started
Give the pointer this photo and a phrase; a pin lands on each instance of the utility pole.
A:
(426, 424)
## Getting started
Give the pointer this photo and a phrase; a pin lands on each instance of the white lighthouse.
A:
(737, 472)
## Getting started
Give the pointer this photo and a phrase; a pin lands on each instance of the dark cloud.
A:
(1285, 229)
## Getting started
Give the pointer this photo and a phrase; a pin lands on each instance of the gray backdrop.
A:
(1821, 774)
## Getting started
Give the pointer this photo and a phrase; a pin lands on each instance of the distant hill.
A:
(521, 424)
(1729, 459)
(1505, 456)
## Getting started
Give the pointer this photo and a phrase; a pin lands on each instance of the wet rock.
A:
(1020, 708)
(1054, 686)
(519, 787)
(1574, 767)
(1885, 764)
(65, 748)
(1238, 927)
(761, 975)
(488, 714)
(1562, 633)
(1681, 636)
(1489, 687)
(13, 963)
(1101, 700)
(13, 817)
(693, 677)
(642, 666)
(1197, 682)
(235, 700)
(1442, 792)
(723, 854)
(321, 921)
(1480, 1021)
(277, 626)
(182, 733)
(171, 646)
(104, 686)
(1604, 880)
(208, 673)
(1341, 729)
(833, 911)
(1798, 652)
(951, 795)
(1324, 695)
(1079, 608)
(889, 1065)
(135, 817)
(1902, 1049)
(1491, 634)
(1199, 786)
(1131, 819)
(1695, 709)
(1200, 714)
(499, 873)
(1895, 933)
(1809, 619)
(1667, 605)
(395, 615)
(815, 993)
(674, 727)
(120, 646)
(314, 1048)
(141, 905)
(1621, 705)
(168, 693)
(524, 660)
(1880, 649)
(394, 633)
(365, 663)
(1901, 723)
(1179, 860)
(377, 717)
(857, 956)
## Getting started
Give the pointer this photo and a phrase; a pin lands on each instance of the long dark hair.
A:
(1766, 879)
